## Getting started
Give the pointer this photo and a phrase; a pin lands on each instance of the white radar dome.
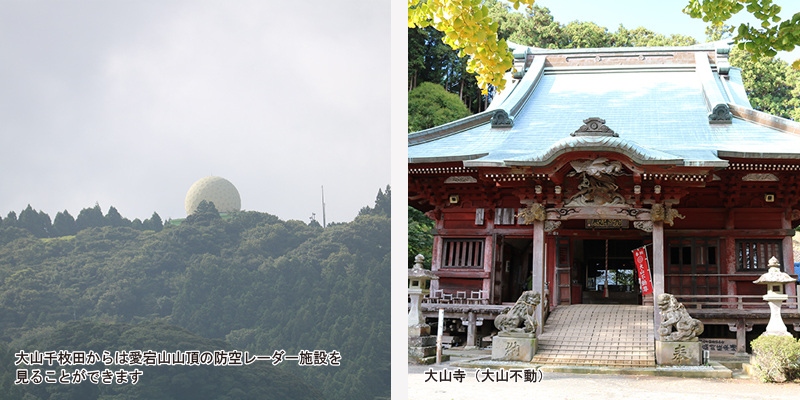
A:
(218, 190)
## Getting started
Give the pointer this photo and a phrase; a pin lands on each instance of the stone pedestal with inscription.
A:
(422, 350)
(421, 345)
(514, 346)
(679, 353)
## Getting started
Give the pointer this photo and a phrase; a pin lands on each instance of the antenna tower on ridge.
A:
(323, 206)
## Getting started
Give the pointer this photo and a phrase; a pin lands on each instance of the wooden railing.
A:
(457, 297)
(730, 301)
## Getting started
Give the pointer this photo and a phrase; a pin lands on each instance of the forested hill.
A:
(256, 381)
(256, 282)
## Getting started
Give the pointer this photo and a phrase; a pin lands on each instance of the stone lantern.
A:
(421, 345)
(419, 281)
(775, 280)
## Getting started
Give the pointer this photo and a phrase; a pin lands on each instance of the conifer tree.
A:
(11, 220)
(64, 224)
(90, 218)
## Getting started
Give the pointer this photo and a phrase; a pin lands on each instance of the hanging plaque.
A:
(607, 224)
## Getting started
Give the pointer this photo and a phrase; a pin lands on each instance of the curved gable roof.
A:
(660, 110)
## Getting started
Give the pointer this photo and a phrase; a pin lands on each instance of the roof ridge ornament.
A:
(721, 114)
(501, 119)
(594, 127)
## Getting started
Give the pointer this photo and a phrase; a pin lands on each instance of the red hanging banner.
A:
(643, 267)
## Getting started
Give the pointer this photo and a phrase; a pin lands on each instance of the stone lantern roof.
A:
(774, 275)
(418, 271)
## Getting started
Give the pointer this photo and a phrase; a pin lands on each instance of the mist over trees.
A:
(250, 282)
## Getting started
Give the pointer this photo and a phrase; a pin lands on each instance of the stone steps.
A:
(598, 335)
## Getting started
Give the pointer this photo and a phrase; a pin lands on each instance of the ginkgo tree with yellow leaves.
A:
(469, 29)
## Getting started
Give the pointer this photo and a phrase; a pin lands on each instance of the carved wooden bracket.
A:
(646, 226)
(534, 212)
(550, 226)
(667, 214)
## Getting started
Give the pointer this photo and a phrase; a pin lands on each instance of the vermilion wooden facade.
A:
(596, 152)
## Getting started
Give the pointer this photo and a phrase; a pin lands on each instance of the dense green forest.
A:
(256, 381)
(771, 84)
(250, 282)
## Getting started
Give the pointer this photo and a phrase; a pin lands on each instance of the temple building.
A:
(589, 154)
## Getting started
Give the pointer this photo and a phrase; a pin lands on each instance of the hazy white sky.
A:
(129, 103)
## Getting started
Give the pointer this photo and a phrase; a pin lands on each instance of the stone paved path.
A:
(598, 335)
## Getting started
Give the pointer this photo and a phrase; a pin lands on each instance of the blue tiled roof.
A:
(660, 116)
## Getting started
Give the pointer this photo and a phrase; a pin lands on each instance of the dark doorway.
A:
(515, 268)
(590, 262)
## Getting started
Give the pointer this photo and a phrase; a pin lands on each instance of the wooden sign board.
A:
(607, 224)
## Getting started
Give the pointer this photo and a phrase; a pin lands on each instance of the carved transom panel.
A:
(597, 186)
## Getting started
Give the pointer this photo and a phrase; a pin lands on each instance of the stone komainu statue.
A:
(519, 318)
(674, 315)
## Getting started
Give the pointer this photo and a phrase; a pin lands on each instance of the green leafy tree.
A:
(643, 37)
(586, 35)
(64, 224)
(44, 222)
(431, 105)
(771, 84)
(383, 204)
(259, 282)
(205, 212)
(256, 381)
(420, 240)
(430, 60)
(137, 224)
(156, 223)
(766, 40)
(113, 217)
(35, 222)
(536, 28)
(469, 29)
(90, 218)
(718, 32)
(10, 220)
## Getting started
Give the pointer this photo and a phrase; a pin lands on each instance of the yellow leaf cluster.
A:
(469, 29)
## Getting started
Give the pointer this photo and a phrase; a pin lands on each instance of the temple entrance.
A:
(513, 274)
(605, 271)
